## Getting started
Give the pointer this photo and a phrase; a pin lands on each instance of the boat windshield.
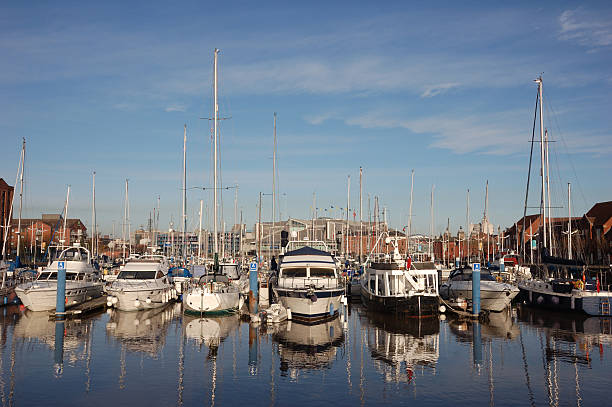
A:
(137, 275)
(467, 276)
(322, 272)
(45, 276)
(294, 272)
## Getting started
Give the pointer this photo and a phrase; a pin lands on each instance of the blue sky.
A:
(445, 88)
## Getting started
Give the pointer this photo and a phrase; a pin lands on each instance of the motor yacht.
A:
(309, 284)
(142, 283)
(494, 295)
(83, 281)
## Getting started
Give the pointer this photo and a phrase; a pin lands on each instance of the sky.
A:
(444, 88)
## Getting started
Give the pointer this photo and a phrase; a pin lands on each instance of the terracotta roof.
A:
(600, 213)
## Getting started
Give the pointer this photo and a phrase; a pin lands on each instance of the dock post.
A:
(475, 289)
(253, 288)
(59, 347)
(60, 304)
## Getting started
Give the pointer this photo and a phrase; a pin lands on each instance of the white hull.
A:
(303, 307)
(493, 296)
(199, 300)
(541, 293)
(42, 296)
(139, 300)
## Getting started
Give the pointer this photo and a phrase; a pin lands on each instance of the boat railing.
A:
(310, 282)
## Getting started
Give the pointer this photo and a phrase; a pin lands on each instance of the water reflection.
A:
(302, 346)
(69, 340)
(497, 325)
(401, 346)
(209, 331)
(142, 331)
(570, 338)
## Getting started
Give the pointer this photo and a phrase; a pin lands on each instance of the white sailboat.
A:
(214, 292)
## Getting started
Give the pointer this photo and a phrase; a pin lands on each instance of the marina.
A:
(305, 204)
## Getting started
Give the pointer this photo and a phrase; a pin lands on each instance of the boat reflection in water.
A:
(70, 340)
(497, 325)
(569, 338)
(401, 347)
(142, 331)
(302, 346)
(209, 331)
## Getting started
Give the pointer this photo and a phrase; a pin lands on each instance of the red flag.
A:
(598, 287)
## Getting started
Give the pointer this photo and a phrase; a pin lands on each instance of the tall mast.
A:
(569, 220)
(410, 210)
(20, 201)
(431, 227)
(274, 185)
(360, 215)
(542, 159)
(233, 238)
(348, 208)
(65, 217)
(184, 219)
(216, 118)
(486, 212)
(549, 201)
(93, 215)
(200, 232)
(467, 226)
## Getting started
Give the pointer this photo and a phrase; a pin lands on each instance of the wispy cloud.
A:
(586, 28)
(176, 108)
(436, 90)
(319, 118)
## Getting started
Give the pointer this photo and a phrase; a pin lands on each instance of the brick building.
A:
(38, 233)
(6, 201)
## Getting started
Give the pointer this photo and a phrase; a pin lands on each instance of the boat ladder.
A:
(605, 306)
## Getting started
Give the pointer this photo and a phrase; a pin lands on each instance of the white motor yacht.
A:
(494, 295)
(83, 282)
(141, 284)
(309, 284)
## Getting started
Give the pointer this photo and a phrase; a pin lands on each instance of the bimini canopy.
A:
(307, 254)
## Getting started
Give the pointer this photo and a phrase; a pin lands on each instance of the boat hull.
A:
(325, 305)
(494, 296)
(413, 306)
(139, 300)
(541, 294)
(198, 301)
(42, 296)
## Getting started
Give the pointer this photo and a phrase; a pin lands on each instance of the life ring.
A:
(498, 279)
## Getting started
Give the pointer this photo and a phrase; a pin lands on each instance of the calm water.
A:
(161, 358)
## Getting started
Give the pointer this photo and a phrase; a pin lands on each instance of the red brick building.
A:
(6, 201)
(38, 232)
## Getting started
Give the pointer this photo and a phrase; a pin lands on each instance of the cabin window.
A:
(294, 272)
(136, 275)
(159, 274)
(322, 273)
(44, 276)
(71, 276)
(53, 276)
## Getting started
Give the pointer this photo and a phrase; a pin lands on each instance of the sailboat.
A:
(563, 285)
(214, 292)
(7, 289)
